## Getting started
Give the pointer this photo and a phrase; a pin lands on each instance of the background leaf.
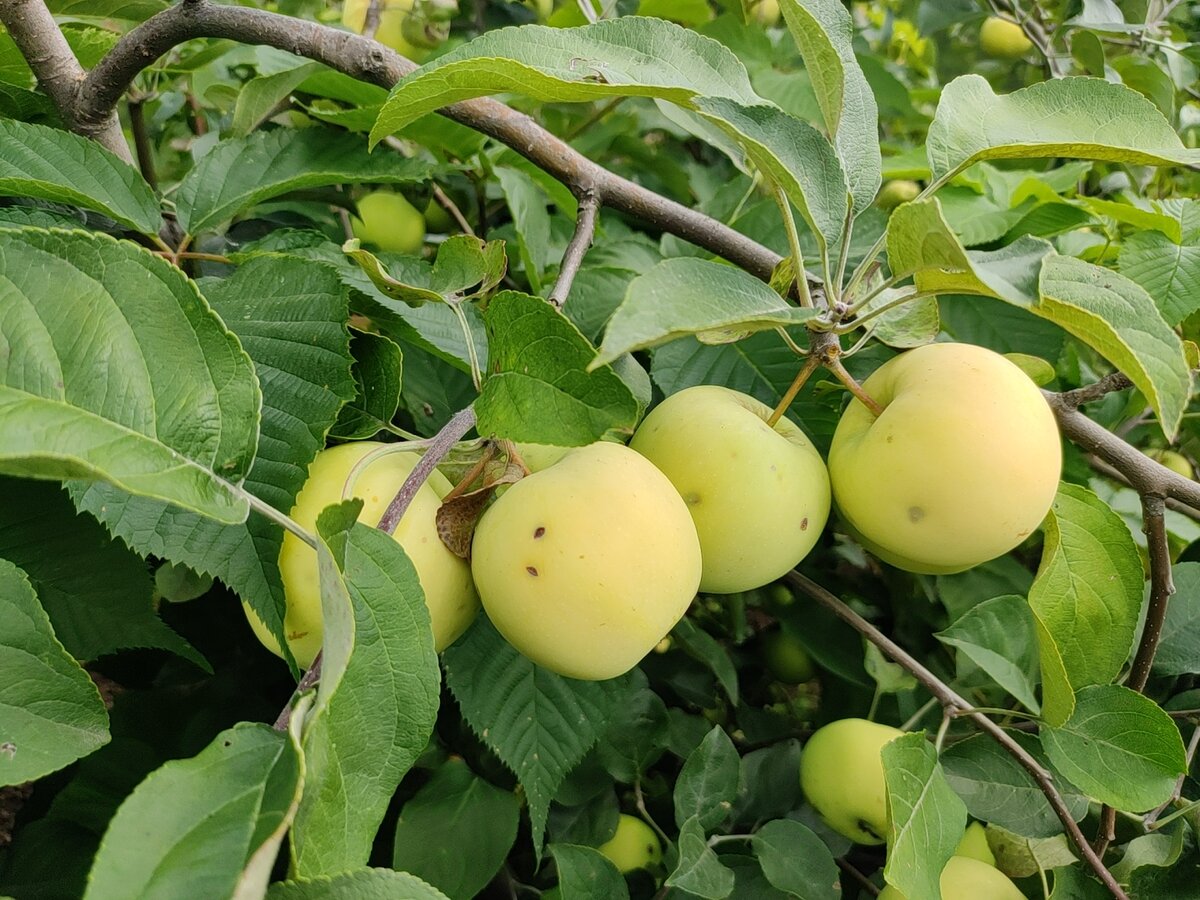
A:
(586, 873)
(999, 636)
(796, 861)
(708, 782)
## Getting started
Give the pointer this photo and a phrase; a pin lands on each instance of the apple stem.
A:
(835, 366)
(810, 366)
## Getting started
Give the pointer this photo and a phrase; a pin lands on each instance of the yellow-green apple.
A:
(390, 30)
(634, 846)
(389, 222)
(759, 494)
(974, 843)
(1003, 39)
(765, 12)
(586, 565)
(841, 772)
(445, 579)
(787, 660)
(1175, 461)
(959, 468)
(897, 191)
(965, 878)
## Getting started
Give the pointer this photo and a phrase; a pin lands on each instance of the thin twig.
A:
(452, 432)
(806, 370)
(863, 882)
(581, 240)
(955, 703)
(1117, 381)
(371, 21)
(443, 200)
(141, 141)
(307, 682)
(1162, 586)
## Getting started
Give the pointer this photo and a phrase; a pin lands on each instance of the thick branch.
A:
(957, 705)
(58, 72)
(581, 240)
(369, 61)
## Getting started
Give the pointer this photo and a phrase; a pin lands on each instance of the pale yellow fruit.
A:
(898, 191)
(841, 772)
(965, 878)
(1003, 39)
(390, 31)
(387, 221)
(974, 844)
(759, 495)
(445, 579)
(634, 846)
(961, 466)
(1176, 462)
(541, 456)
(765, 12)
(586, 565)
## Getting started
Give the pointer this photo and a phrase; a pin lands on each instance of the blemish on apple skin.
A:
(538, 532)
(804, 524)
(915, 514)
(532, 571)
(691, 498)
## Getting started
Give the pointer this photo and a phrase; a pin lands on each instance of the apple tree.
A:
(802, 388)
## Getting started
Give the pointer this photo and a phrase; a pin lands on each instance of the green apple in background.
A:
(390, 31)
(1176, 462)
(445, 579)
(759, 495)
(961, 466)
(841, 772)
(387, 221)
(634, 846)
(1003, 39)
(787, 660)
(765, 12)
(543, 8)
(965, 878)
(586, 565)
(974, 844)
(897, 191)
(437, 219)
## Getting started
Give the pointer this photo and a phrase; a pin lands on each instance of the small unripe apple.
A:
(974, 843)
(390, 30)
(897, 191)
(437, 219)
(445, 579)
(841, 772)
(759, 494)
(1176, 462)
(540, 456)
(1003, 39)
(961, 466)
(765, 12)
(389, 222)
(543, 8)
(634, 846)
(787, 660)
(586, 565)
(965, 878)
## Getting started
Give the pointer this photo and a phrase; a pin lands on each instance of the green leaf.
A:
(796, 861)
(584, 873)
(194, 824)
(997, 789)
(240, 172)
(538, 388)
(701, 645)
(1168, 270)
(129, 10)
(259, 97)
(1116, 316)
(465, 267)
(290, 316)
(698, 871)
(1179, 646)
(1087, 596)
(636, 731)
(717, 303)
(1086, 118)
(49, 164)
(925, 817)
(824, 32)
(1119, 747)
(527, 206)
(184, 422)
(378, 364)
(51, 710)
(708, 782)
(1161, 849)
(377, 699)
(918, 237)
(95, 590)
(623, 57)
(359, 884)
(455, 810)
(999, 636)
(539, 723)
(792, 154)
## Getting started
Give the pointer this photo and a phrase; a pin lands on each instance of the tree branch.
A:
(581, 240)
(452, 432)
(955, 704)
(1162, 586)
(58, 72)
(374, 63)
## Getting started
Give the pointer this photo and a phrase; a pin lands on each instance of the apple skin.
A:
(841, 772)
(765, 12)
(974, 843)
(389, 222)
(787, 660)
(1176, 462)
(759, 495)
(961, 467)
(445, 579)
(634, 846)
(895, 192)
(965, 878)
(586, 565)
(1002, 39)
(390, 31)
